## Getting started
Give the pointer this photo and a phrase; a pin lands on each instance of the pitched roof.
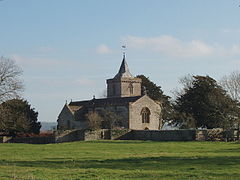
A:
(106, 101)
(124, 70)
(73, 109)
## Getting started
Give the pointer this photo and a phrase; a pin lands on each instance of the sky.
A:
(67, 49)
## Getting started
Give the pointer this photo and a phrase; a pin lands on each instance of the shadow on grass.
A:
(230, 150)
(148, 163)
(119, 141)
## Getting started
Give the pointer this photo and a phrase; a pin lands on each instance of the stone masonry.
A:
(124, 98)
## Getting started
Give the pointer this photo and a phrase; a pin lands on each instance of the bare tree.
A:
(231, 83)
(94, 120)
(10, 83)
(112, 119)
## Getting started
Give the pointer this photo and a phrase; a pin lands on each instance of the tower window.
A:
(145, 115)
(130, 88)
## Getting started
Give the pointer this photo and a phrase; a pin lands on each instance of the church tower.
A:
(124, 84)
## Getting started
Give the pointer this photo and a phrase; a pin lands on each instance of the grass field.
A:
(121, 160)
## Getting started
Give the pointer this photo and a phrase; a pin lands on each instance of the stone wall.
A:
(121, 134)
(164, 135)
(216, 135)
(97, 135)
(82, 135)
(120, 87)
(125, 87)
(69, 136)
(32, 140)
(5, 139)
(126, 134)
(88, 135)
(184, 135)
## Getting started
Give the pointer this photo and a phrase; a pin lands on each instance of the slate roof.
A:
(105, 101)
(124, 70)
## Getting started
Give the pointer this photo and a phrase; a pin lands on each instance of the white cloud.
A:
(230, 31)
(170, 46)
(41, 62)
(103, 49)
(61, 82)
(236, 48)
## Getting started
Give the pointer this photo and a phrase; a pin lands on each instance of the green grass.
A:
(121, 160)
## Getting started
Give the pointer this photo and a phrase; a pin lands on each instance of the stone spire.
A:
(124, 84)
(124, 70)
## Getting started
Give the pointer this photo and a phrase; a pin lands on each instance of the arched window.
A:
(130, 88)
(145, 115)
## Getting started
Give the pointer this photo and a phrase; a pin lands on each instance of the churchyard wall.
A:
(32, 140)
(69, 136)
(164, 135)
(126, 134)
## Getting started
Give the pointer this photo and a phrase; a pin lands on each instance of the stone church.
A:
(124, 98)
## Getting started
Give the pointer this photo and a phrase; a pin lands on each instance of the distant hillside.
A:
(48, 126)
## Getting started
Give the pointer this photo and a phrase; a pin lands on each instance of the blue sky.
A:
(67, 49)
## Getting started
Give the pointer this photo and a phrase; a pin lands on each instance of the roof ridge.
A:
(106, 100)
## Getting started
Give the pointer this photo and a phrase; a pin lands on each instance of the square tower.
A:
(123, 84)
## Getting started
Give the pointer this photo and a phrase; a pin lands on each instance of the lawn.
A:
(121, 160)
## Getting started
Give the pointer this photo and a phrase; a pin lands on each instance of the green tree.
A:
(17, 116)
(155, 92)
(204, 103)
